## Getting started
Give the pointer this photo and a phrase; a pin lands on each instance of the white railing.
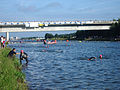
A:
(55, 23)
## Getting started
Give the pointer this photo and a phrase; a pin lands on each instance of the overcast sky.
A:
(42, 10)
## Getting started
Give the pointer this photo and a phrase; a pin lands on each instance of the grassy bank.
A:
(11, 76)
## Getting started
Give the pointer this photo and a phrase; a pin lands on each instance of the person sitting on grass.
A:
(23, 56)
(12, 53)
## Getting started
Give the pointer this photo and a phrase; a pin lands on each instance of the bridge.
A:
(53, 26)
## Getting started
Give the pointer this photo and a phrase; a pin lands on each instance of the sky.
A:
(48, 10)
(58, 10)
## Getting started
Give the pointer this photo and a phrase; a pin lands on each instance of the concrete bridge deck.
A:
(54, 26)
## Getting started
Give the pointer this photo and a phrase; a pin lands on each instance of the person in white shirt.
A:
(1, 41)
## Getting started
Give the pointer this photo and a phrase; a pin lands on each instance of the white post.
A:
(7, 36)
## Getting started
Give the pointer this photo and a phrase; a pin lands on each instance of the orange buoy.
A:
(67, 40)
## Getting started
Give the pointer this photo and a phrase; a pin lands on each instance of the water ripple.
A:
(65, 66)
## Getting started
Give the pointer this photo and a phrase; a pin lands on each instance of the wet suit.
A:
(92, 58)
(45, 42)
(23, 56)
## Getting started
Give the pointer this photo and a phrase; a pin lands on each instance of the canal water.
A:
(65, 65)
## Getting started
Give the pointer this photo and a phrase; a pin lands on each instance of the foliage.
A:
(48, 35)
(115, 29)
(114, 32)
(11, 76)
(60, 37)
(56, 35)
(92, 34)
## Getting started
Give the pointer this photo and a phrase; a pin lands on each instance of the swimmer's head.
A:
(22, 51)
(101, 56)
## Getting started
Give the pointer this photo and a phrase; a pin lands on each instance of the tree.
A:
(114, 20)
(115, 29)
(48, 35)
(56, 35)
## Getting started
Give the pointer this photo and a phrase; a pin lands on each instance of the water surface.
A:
(66, 66)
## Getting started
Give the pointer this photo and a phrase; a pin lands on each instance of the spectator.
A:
(12, 53)
(1, 40)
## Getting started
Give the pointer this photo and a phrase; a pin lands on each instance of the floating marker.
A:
(67, 40)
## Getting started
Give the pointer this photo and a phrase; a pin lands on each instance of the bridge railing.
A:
(37, 24)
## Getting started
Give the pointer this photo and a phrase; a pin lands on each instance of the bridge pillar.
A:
(7, 36)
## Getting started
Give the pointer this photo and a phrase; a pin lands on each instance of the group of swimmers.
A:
(23, 55)
(93, 58)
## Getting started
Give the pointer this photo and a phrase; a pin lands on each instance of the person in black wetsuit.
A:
(12, 53)
(45, 42)
(92, 58)
(23, 56)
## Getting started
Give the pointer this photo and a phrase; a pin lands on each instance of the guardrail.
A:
(55, 22)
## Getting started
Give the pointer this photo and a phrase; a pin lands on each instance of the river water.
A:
(65, 65)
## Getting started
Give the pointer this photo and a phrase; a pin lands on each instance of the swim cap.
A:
(100, 56)
(21, 51)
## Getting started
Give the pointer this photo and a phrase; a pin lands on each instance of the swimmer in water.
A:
(92, 58)
(45, 42)
(100, 57)
(23, 56)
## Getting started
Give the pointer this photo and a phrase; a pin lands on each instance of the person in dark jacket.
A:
(23, 56)
(12, 53)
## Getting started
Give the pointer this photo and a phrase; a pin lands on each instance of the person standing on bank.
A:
(23, 56)
(1, 41)
(4, 41)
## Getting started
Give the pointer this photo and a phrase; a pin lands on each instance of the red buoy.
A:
(67, 40)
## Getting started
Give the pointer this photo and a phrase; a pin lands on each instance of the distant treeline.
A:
(114, 32)
(63, 36)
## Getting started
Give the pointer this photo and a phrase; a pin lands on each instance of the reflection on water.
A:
(66, 66)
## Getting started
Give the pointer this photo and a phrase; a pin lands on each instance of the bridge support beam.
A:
(7, 36)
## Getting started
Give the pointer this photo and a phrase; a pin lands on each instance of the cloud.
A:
(23, 7)
(27, 8)
(53, 5)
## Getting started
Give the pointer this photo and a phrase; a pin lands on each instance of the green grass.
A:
(11, 76)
